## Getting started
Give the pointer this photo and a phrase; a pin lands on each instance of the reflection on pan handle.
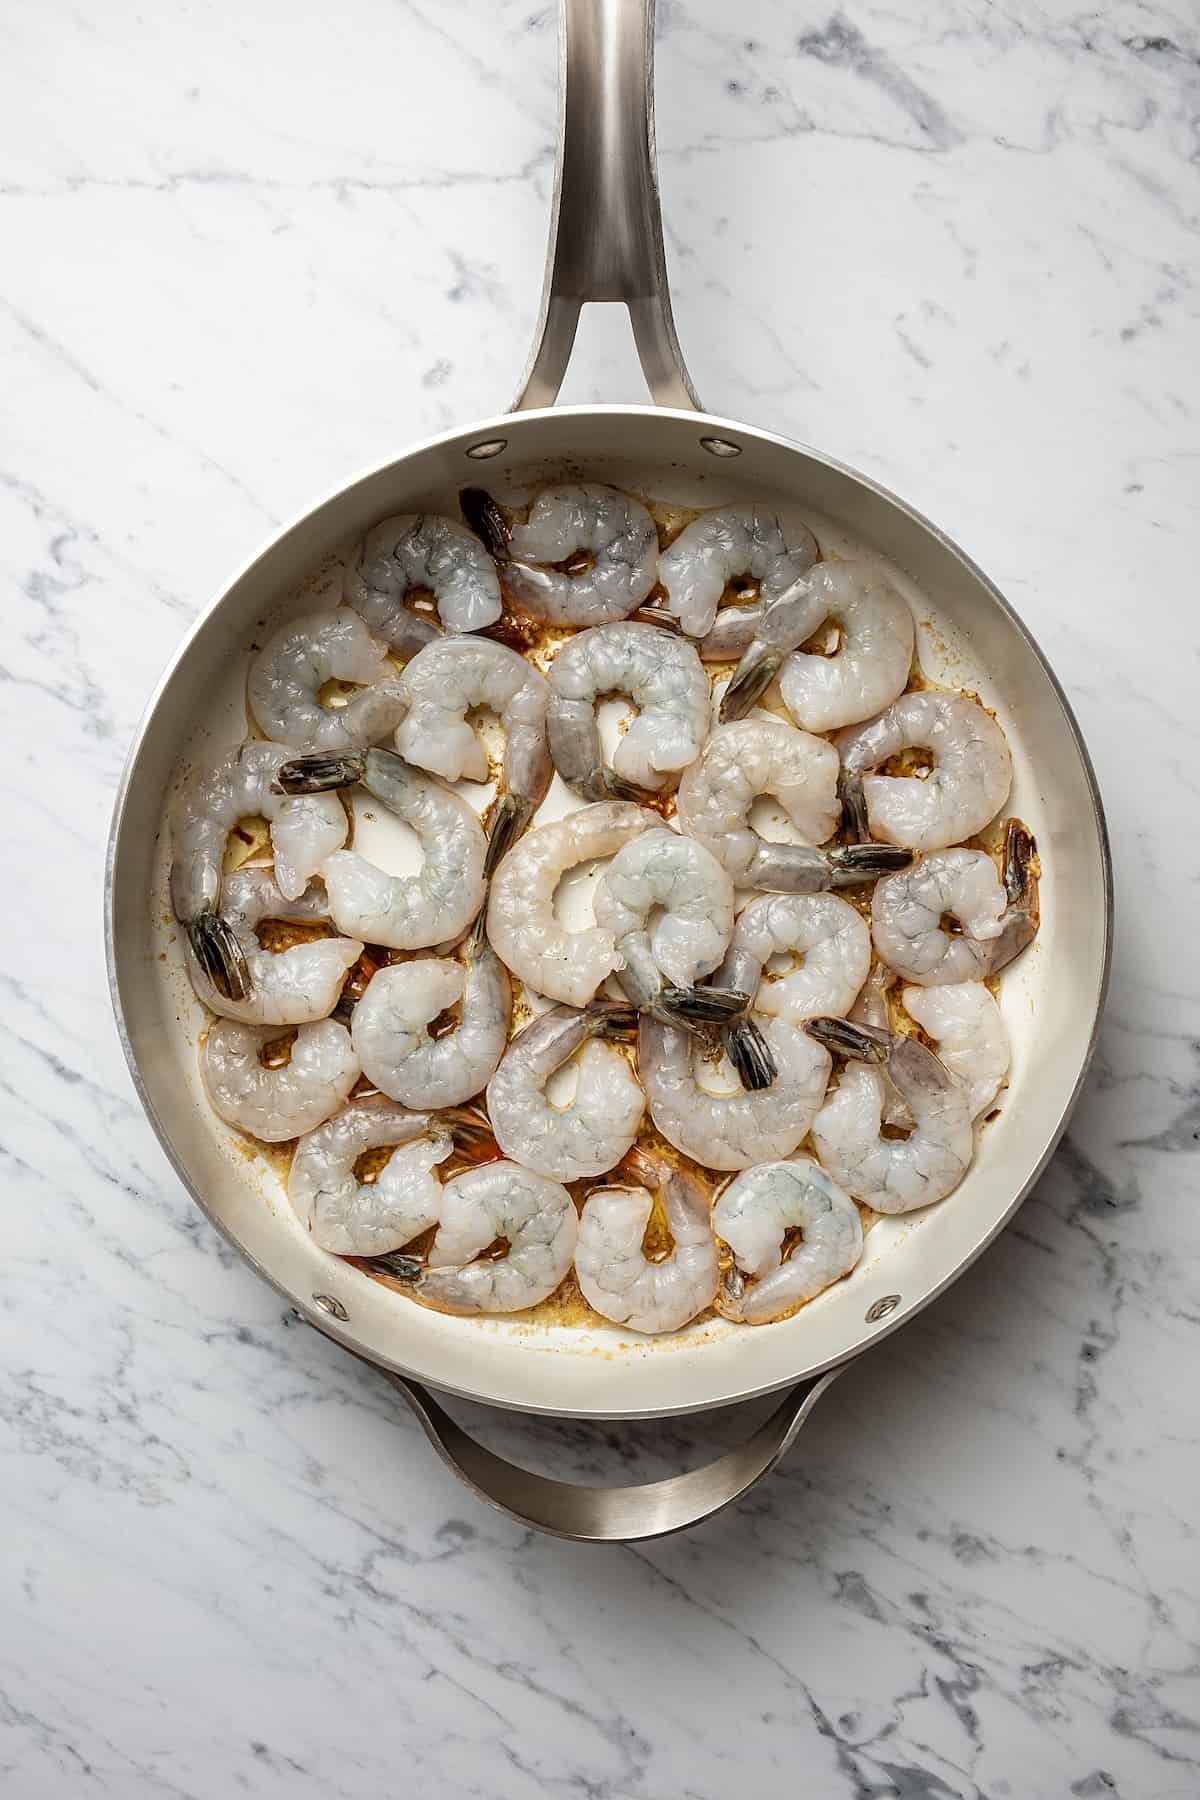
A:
(619, 1515)
(606, 240)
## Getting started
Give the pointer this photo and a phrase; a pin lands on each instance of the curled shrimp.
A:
(439, 688)
(286, 677)
(748, 758)
(564, 965)
(733, 1129)
(752, 1215)
(826, 932)
(368, 1218)
(664, 678)
(295, 986)
(404, 912)
(421, 551)
(964, 1022)
(275, 1104)
(233, 785)
(390, 1027)
(998, 921)
(612, 536)
(535, 1216)
(772, 546)
(966, 787)
(893, 1175)
(617, 1279)
(593, 1132)
(867, 671)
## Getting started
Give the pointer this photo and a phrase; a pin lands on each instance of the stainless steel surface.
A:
(606, 241)
(1066, 972)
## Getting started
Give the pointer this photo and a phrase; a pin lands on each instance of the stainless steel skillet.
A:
(606, 245)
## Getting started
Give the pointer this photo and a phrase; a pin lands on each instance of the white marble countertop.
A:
(248, 250)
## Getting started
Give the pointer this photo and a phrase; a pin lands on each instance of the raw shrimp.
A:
(536, 1216)
(233, 785)
(893, 1175)
(731, 1130)
(277, 1103)
(285, 987)
(286, 677)
(753, 1214)
(405, 912)
(998, 922)
(614, 1274)
(664, 678)
(871, 1008)
(826, 932)
(614, 535)
(563, 965)
(422, 550)
(867, 671)
(964, 1022)
(678, 881)
(594, 1131)
(771, 546)
(967, 785)
(440, 686)
(750, 757)
(389, 1027)
(360, 1218)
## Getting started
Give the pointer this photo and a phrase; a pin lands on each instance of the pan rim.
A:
(705, 424)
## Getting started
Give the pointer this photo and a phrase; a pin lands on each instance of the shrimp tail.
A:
(613, 1019)
(657, 615)
(487, 521)
(854, 863)
(750, 680)
(698, 1006)
(510, 816)
(863, 1043)
(220, 955)
(605, 785)
(1021, 890)
(750, 1054)
(731, 1294)
(319, 774)
(471, 1131)
(854, 805)
(400, 1267)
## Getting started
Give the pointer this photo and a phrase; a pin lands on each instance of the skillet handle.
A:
(620, 1515)
(606, 240)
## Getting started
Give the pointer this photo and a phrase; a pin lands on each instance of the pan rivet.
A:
(717, 447)
(882, 1308)
(491, 447)
(329, 1305)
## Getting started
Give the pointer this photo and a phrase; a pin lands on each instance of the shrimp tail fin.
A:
(854, 863)
(864, 1043)
(510, 816)
(487, 521)
(750, 1054)
(319, 774)
(602, 784)
(1021, 866)
(699, 1006)
(471, 1131)
(731, 1294)
(657, 615)
(613, 1019)
(220, 955)
(750, 680)
(854, 805)
(400, 1267)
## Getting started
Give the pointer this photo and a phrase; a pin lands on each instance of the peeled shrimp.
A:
(734, 1129)
(614, 533)
(773, 547)
(867, 671)
(664, 678)
(593, 1132)
(675, 881)
(405, 912)
(233, 785)
(614, 1274)
(967, 786)
(284, 987)
(997, 921)
(288, 673)
(752, 1215)
(964, 1022)
(281, 1103)
(563, 965)
(422, 550)
(893, 1175)
(750, 757)
(358, 1218)
(826, 932)
(389, 1027)
(498, 1200)
(439, 688)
